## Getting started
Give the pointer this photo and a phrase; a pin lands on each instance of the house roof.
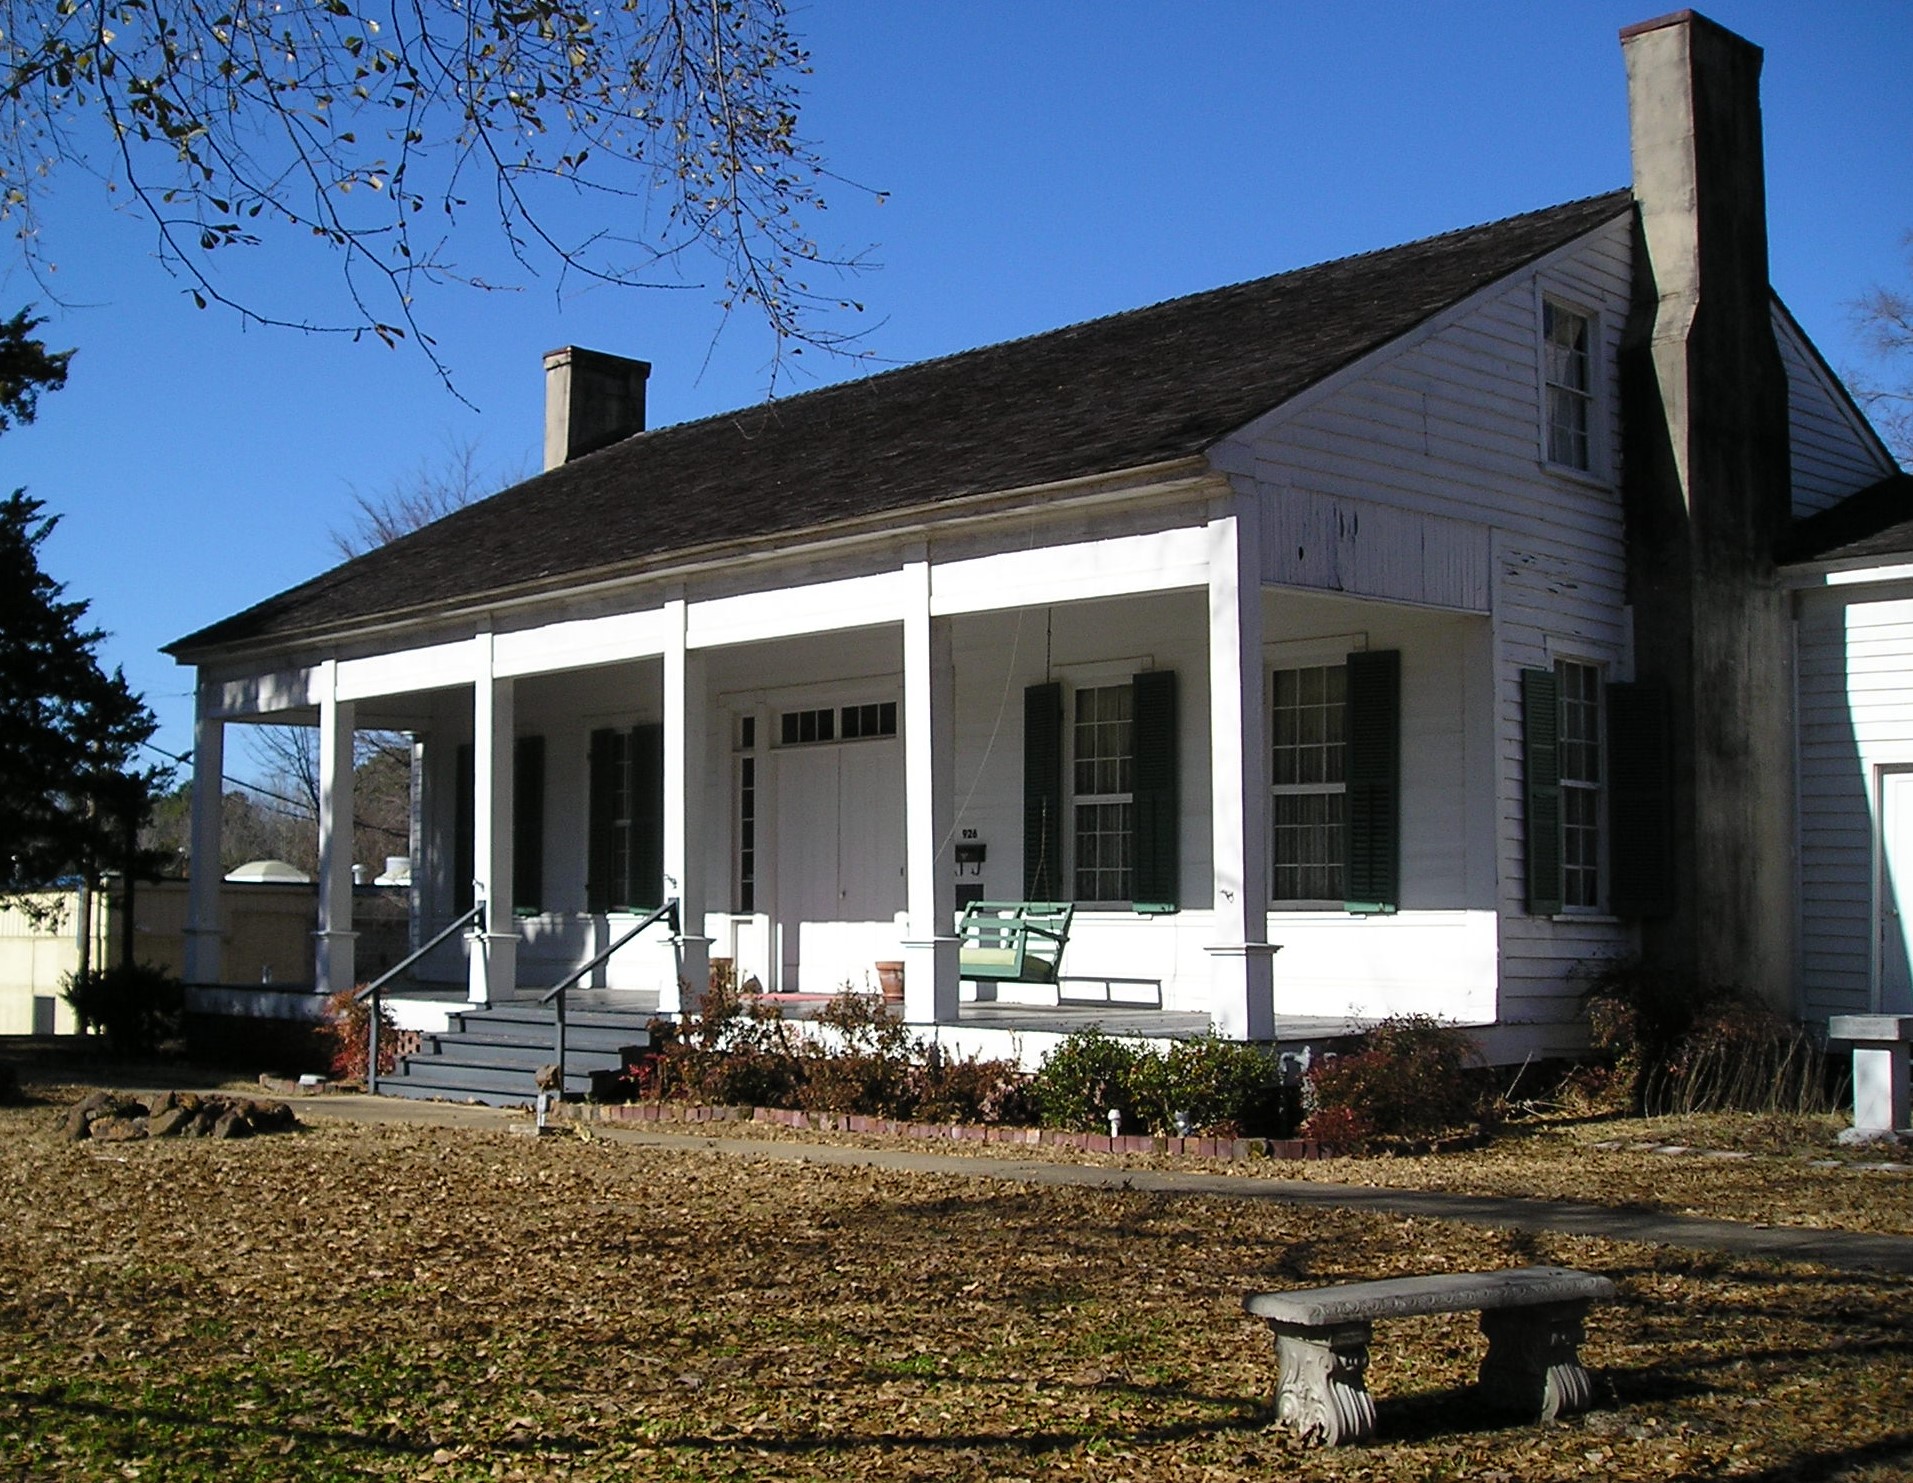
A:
(1878, 521)
(1135, 389)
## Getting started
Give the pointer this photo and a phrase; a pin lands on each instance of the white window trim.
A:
(1597, 471)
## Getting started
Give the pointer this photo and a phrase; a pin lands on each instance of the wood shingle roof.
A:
(1139, 388)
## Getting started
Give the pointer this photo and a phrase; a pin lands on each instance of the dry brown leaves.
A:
(420, 1303)
(1783, 1172)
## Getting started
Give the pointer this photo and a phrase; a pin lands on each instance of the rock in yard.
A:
(167, 1122)
(117, 1129)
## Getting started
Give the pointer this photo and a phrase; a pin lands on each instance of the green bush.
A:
(137, 1005)
(1214, 1087)
(1089, 1074)
(1224, 1088)
(1410, 1079)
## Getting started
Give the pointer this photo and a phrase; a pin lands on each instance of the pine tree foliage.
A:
(72, 792)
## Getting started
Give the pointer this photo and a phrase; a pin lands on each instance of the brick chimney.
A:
(1708, 492)
(592, 400)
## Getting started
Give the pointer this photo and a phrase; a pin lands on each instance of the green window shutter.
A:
(607, 762)
(1043, 793)
(646, 885)
(1541, 752)
(1372, 817)
(528, 824)
(1157, 806)
(464, 829)
(1640, 858)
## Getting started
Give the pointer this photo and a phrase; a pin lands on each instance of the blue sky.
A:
(1044, 163)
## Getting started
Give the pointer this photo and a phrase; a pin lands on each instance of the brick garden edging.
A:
(850, 1122)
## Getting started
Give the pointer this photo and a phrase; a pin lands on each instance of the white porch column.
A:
(929, 770)
(209, 804)
(1241, 973)
(686, 746)
(335, 967)
(493, 963)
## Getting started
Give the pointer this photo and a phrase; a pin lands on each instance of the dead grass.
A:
(1792, 1172)
(405, 1302)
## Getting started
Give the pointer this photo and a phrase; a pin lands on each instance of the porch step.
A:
(492, 1055)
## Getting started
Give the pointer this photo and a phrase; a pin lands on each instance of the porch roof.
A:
(1876, 522)
(1137, 389)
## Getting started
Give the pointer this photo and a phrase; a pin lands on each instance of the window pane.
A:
(1102, 774)
(1308, 725)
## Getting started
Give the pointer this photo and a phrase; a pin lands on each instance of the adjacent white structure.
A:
(1289, 630)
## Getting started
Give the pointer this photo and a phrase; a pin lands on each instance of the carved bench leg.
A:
(1533, 1365)
(1320, 1390)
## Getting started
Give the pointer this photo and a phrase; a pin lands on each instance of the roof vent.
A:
(592, 400)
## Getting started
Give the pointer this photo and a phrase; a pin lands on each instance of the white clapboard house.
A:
(1392, 635)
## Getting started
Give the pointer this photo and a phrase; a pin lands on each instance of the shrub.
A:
(136, 1004)
(1224, 1088)
(1410, 1079)
(732, 1052)
(1089, 1074)
(871, 1071)
(969, 1090)
(1668, 1043)
(348, 1028)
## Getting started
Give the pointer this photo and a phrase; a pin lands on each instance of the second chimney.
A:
(592, 400)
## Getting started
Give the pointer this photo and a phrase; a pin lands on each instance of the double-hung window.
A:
(1103, 761)
(1581, 802)
(1102, 822)
(1568, 375)
(1309, 783)
(1596, 756)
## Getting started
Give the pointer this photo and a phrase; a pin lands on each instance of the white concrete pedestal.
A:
(1882, 1103)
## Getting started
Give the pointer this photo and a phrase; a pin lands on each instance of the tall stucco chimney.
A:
(1708, 492)
(592, 400)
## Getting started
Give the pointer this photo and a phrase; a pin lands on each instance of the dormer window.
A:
(1568, 374)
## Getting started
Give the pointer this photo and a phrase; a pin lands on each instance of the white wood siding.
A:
(1449, 427)
(1834, 455)
(1855, 716)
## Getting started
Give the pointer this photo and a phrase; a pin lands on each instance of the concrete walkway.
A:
(1843, 1249)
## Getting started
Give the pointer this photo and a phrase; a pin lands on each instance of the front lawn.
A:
(408, 1302)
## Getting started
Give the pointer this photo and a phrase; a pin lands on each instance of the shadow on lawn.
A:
(54, 1398)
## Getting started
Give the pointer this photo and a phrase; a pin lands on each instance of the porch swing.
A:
(1013, 941)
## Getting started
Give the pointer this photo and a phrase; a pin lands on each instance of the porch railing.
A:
(555, 995)
(373, 990)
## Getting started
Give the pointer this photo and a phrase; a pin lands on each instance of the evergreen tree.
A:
(67, 731)
(72, 795)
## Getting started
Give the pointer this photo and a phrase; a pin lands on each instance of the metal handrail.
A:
(555, 995)
(371, 990)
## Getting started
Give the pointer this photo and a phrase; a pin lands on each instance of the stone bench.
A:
(1882, 1104)
(1532, 1316)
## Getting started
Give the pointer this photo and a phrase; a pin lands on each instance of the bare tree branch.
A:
(430, 491)
(361, 125)
(1884, 318)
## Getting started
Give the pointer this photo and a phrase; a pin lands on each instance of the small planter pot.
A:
(890, 980)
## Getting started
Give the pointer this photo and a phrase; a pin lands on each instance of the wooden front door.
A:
(839, 862)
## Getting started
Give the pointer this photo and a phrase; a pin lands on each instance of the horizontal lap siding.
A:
(1451, 429)
(1855, 714)
(1832, 457)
